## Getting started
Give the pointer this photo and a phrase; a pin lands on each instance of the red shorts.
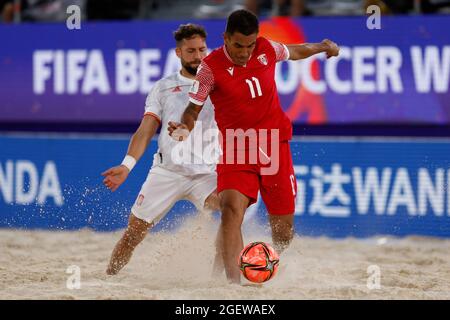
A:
(278, 187)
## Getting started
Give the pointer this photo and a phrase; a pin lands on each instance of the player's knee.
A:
(230, 210)
(226, 205)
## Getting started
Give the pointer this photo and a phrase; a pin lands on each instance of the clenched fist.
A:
(332, 48)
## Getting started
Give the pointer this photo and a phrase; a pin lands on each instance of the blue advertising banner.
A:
(346, 187)
(102, 73)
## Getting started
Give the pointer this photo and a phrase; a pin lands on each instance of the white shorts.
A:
(163, 188)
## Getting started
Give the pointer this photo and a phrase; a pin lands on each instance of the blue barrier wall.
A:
(346, 187)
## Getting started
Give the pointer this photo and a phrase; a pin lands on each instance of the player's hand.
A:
(333, 48)
(115, 176)
(178, 131)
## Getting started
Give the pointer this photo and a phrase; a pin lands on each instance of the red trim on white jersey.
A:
(153, 115)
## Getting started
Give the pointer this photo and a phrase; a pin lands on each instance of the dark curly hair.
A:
(187, 31)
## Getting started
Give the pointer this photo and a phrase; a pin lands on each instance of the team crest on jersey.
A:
(140, 199)
(262, 58)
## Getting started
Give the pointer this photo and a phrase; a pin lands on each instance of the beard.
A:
(189, 68)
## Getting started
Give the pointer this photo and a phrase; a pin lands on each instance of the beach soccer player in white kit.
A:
(168, 181)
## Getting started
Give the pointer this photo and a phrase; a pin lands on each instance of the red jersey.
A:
(244, 97)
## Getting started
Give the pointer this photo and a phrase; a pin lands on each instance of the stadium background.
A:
(372, 138)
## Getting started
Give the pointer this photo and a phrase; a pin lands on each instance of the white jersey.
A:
(199, 153)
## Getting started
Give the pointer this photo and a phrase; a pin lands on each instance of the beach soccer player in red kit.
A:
(239, 78)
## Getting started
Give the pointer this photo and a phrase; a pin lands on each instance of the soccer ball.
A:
(258, 262)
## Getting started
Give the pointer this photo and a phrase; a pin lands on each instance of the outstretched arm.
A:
(117, 175)
(305, 50)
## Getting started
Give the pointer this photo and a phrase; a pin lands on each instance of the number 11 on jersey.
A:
(252, 90)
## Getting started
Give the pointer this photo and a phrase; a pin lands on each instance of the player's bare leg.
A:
(233, 205)
(282, 231)
(134, 234)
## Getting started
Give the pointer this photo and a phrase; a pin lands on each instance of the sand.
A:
(177, 265)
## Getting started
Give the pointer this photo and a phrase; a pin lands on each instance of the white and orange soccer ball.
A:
(258, 262)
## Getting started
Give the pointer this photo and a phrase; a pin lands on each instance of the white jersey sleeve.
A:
(281, 51)
(153, 105)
